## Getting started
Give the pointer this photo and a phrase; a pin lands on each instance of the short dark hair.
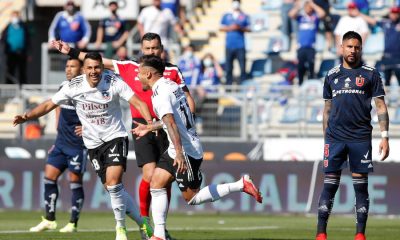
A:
(352, 35)
(94, 56)
(154, 62)
(113, 3)
(71, 58)
(151, 36)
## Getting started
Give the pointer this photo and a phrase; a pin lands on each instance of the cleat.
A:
(168, 236)
(69, 228)
(250, 188)
(120, 233)
(321, 236)
(146, 230)
(155, 238)
(44, 225)
(360, 236)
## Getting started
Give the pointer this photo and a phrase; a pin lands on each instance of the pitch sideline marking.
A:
(174, 228)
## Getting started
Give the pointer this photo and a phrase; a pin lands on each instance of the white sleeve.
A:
(363, 26)
(124, 91)
(142, 16)
(163, 105)
(62, 95)
(339, 27)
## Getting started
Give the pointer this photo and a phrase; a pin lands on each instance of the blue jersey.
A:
(308, 27)
(351, 92)
(67, 121)
(113, 27)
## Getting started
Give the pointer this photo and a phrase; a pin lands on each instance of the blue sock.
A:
(362, 202)
(325, 204)
(50, 198)
(77, 199)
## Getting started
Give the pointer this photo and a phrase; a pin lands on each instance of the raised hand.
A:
(61, 46)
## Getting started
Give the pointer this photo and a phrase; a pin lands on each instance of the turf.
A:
(99, 226)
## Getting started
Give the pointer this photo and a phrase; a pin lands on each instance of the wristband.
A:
(74, 53)
(385, 134)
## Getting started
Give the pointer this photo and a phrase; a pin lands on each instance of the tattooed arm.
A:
(327, 110)
(173, 133)
(383, 119)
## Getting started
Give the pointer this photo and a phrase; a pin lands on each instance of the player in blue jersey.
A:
(348, 91)
(69, 152)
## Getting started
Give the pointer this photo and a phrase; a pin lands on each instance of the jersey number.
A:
(185, 111)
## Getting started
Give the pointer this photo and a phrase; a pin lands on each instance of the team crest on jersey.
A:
(360, 81)
(106, 95)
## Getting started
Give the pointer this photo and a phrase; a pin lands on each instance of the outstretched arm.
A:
(383, 119)
(65, 49)
(143, 129)
(37, 112)
(173, 133)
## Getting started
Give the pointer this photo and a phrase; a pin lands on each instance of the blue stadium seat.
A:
(325, 66)
(271, 4)
(259, 22)
(316, 115)
(396, 118)
(292, 114)
(374, 43)
(258, 68)
(379, 5)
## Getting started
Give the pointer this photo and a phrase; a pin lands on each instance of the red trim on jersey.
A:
(129, 71)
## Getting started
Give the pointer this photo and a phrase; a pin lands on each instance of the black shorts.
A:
(192, 178)
(149, 148)
(112, 153)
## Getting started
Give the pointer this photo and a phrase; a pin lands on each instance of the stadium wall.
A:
(287, 187)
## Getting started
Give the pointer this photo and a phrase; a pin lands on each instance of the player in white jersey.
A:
(96, 97)
(184, 156)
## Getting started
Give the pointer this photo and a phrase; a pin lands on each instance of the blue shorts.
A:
(359, 155)
(73, 159)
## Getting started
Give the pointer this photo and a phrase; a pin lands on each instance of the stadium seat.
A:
(325, 66)
(269, 5)
(374, 44)
(258, 68)
(379, 4)
(311, 89)
(259, 22)
(292, 114)
(396, 118)
(320, 43)
(316, 115)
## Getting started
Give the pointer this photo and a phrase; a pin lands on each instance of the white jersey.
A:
(167, 98)
(98, 108)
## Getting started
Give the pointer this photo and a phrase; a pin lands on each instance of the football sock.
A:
(50, 198)
(77, 199)
(159, 209)
(325, 204)
(214, 192)
(362, 202)
(118, 203)
(132, 209)
(144, 198)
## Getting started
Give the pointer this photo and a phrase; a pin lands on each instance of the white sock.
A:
(118, 203)
(132, 209)
(214, 192)
(159, 208)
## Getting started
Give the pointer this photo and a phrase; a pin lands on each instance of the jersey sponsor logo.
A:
(360, 81)
(113, 155)
(326, 150)
(365, 161)
(347, 91)
(93, 106)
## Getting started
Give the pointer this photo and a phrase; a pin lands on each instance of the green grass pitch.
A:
(99, 225)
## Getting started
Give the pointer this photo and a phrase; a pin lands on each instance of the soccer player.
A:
(69, 152)
(96, 95)
(348, 90)
(149, 148)
(182, 160)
